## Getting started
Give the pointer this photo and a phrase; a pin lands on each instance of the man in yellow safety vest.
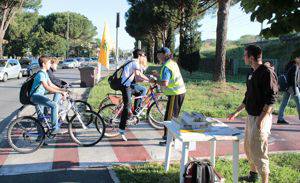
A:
(172, 86)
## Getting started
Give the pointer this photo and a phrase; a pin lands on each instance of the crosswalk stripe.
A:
(97, 155)
(130, 151)
(66, 153)
(150, 137)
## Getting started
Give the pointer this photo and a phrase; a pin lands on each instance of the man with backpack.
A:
(260, 96)
(131, 70)
(292, 72)
(43, 85)
(56, 81)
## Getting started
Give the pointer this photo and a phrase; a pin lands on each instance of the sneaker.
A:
(252, 177)
(122, 133)
(282, 122)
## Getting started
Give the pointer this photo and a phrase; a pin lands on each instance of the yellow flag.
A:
(104, 48)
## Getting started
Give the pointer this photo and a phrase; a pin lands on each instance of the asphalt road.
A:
(9, 94)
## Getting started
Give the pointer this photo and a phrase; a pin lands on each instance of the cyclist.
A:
(131, 71)
(139, 90)
(172, 86)
(42, 85)
(56, 81)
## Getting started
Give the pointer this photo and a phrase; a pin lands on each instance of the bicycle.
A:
(27, 134)
(152, 102)
(80, 105)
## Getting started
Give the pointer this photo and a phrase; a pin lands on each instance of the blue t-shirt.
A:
(41, 76)
(166, 74)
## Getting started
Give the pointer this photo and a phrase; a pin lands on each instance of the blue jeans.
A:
(42, 101)
(138, 90)
(56, 98)
(285, 101)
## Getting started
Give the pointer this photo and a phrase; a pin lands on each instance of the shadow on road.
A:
(90, 175)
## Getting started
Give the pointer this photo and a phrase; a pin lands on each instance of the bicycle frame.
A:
(148, 98)
(70, 106)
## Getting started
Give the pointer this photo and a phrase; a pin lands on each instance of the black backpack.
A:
(115, 80)
(199, 172)
(25, 90)
(283, 80)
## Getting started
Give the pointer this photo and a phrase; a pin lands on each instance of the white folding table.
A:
(188, 137)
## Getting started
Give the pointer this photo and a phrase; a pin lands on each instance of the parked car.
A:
(80, 61)
(24, 62)
(10, 68)
(33, 67)
(70, 63)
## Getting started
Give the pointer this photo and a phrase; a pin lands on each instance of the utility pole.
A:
(117, 39)
(68, 32)
(261, 28)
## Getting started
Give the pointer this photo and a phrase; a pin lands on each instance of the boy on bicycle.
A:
(41, 86)
(131, 71)
(56, 81)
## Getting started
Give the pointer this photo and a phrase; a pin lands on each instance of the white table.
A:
(186, 138)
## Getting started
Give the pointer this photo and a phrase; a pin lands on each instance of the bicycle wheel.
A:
(156, 113)
(29, 110)
(25, 134)
(111, 119)
(107, 100)
(81, 106)
(95, 128)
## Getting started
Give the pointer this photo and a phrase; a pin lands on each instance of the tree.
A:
(19, 34)
(81, 29)
(223, 12)
(8, 9)
(283, 16)
(47, 43)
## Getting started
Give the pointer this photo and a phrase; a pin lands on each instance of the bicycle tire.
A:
(84, 103)
(107, 100)
(10, 135)
(157, 124)
(112, 130)
(92, 131)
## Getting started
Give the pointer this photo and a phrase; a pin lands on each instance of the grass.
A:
(203, 95)
(284, 168)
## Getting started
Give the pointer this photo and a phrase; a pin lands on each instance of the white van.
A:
(10, 68)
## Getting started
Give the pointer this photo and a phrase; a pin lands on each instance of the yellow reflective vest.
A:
(176, 85)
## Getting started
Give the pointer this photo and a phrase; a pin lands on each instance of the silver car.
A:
(70, 63)
(10, 68)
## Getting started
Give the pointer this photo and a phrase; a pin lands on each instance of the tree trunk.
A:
(156, 47)
(170, 41)
(181, 33)
(1, 46)
(223, 12)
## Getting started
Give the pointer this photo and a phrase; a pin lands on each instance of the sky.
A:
(100, 11)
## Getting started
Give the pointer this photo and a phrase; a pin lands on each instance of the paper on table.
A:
(221, 131)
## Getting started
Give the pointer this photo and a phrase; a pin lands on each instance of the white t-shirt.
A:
(129, 70)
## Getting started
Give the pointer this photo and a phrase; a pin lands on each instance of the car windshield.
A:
(3, 63)
(24, 63)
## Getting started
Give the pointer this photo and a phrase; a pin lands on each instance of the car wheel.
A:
(5, 77)
(20, 75)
